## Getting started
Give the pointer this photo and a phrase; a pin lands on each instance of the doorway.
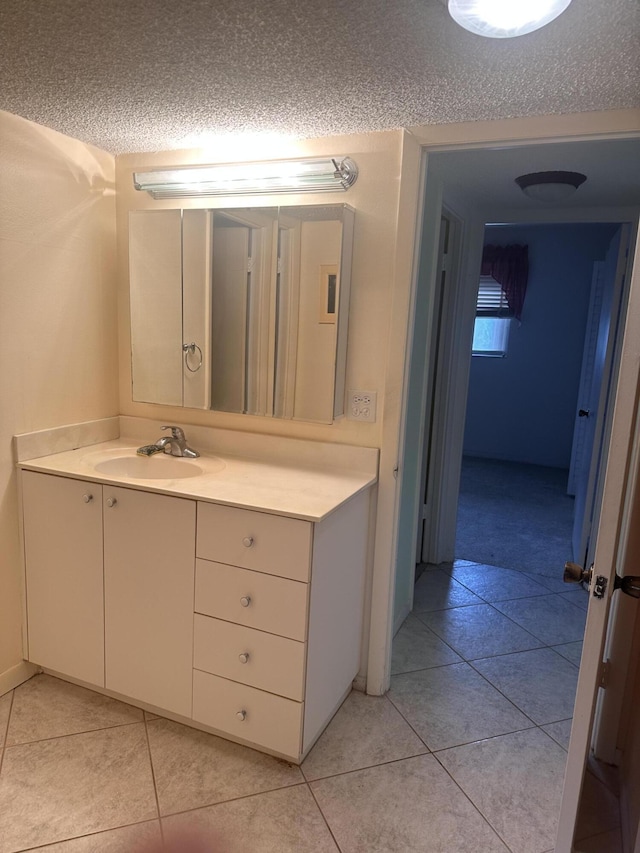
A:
(501, 606)
(494, 668)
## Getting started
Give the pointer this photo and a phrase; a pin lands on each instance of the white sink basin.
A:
(161, 466)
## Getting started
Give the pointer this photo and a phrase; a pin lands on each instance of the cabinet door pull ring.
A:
(112, 501)
(245, 601)
(244, 657)
(87, 498)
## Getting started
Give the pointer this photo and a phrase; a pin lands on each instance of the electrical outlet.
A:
(362, 406)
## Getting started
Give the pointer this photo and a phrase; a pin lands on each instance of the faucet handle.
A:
(176, 432)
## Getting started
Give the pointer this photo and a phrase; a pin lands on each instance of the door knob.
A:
(87, 498)
(112, 501)
(244, 657)
(573, 573)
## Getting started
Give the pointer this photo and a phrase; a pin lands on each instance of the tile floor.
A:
(465, 754)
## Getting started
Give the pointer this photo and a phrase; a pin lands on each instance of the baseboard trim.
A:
(17, 675)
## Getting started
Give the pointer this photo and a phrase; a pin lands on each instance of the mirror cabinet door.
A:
(248, 309)
(155, 275)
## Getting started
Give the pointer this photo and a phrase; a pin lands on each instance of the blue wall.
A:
(522, 407)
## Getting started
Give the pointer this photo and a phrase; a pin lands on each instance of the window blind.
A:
(492, 300)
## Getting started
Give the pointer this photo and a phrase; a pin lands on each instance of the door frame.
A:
(452, 417)
(417, 349)
(395, 508)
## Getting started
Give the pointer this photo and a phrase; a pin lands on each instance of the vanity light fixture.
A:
(278, 176)
(505, 18)
(550, 186)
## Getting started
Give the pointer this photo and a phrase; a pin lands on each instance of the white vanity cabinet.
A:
(83, 537)
(245, 623)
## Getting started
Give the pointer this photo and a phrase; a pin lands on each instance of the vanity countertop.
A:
(300, 491)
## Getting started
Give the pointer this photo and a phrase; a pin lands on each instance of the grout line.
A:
(49, 844)
(483, 816)
(3, 750)
(153, 777)
(324, 817)
(73, 734)
(299, 783)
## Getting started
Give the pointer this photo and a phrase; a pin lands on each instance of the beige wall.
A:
(58, 317)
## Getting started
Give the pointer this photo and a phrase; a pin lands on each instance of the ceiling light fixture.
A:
(505, 18)
(550, 186)
(280, 176)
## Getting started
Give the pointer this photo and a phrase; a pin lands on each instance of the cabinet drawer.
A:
(276, 605)
(252, 657)
(254, 540)
(269, 721)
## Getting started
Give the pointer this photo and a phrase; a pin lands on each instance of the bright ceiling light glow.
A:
(281, 176)
(505, 18)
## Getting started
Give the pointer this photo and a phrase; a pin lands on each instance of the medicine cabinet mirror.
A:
(241, 309)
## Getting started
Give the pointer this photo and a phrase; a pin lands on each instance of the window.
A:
(493, 320)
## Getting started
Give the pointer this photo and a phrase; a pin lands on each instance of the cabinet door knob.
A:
(242, 715)
(244, 657)
(245, 601)
(247, 541)
(112, 501)
(87, 498)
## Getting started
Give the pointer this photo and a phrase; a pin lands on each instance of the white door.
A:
(593, 407)
(621, 468)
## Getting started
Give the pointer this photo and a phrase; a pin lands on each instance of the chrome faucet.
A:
(174, 444)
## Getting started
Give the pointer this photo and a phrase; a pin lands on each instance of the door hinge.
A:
(629, 584)
(603, 675)
(249, 264)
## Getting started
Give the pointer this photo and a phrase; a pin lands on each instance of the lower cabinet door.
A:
(252, 715)
(63, 559)
(149, 588)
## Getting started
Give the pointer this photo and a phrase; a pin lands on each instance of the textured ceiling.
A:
(144, 75)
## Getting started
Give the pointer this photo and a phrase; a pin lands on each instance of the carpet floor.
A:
(514, 515)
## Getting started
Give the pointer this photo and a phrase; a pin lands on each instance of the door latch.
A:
(574, 573)
(600, 586)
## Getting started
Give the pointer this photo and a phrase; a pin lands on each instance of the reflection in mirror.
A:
(241, 310)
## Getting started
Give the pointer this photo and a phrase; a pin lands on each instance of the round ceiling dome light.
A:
(505, 19)
(550, 187)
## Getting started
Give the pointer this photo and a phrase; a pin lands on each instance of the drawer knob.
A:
(245, 601)
(244, 657)
(112, 501)
(87, 498)
(242, 716)
(247, 541)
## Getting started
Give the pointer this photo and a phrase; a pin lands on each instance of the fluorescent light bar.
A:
(279, 176)
(505, 18)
